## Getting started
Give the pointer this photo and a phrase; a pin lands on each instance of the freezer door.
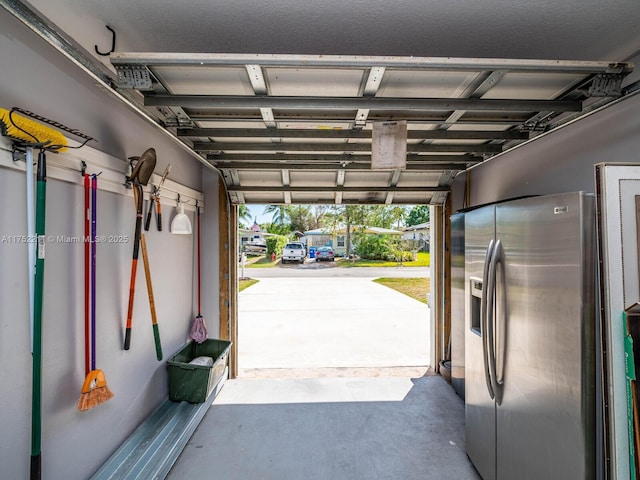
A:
(545, 339)
(480, 420)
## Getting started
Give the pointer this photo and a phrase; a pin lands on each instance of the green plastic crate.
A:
(194, 383)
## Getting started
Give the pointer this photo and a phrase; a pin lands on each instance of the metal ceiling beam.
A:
(473, 118)
(290, 159)
(337, 147)
(476, 91)
(259, 85)
(412, 167)
(393, 182)
(507, 119)
(286, 181)
(370, 88)
(320, 189)
(352, 61)
(356, 103)
(340, 177)
(349, 133)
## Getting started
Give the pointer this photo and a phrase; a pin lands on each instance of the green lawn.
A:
(246, 283)
(414, 287)
(261, 261)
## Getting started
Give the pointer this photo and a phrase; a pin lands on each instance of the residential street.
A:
(313, 269)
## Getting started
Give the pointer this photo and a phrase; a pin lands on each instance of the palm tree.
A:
(397, 215)
(300, 217)
(244, 215)
(280, 213)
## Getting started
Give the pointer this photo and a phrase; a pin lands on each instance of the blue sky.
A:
(256, 211)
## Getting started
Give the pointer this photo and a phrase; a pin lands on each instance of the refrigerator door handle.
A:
(484, 322)
(497, 258)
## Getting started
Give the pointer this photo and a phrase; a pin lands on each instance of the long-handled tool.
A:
(198, 330)
(31, 232)
(152, 303)
(154, 200)
(36, 133)
(94, 389)
(87, 272)
(140, 175)
(28, 135)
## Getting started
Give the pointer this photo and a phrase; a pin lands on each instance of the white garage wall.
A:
(74, 443)
(561, 161)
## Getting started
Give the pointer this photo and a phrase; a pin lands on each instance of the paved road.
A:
(314, 269)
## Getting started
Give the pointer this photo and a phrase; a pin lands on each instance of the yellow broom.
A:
(29, 134)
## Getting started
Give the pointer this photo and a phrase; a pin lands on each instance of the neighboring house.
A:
(418, 235)
(337, 238)
(253, 237)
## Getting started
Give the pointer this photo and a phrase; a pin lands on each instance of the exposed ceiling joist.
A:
(320, 189)
(371, 86)
(349, 133)
(506, 119)
(340, 177)
(286, 181)
(355, 103)
(287, 158)
(362, 61)
(393, 182)
(412, 167)
(317, 111)
(338, 147)
(475, 91)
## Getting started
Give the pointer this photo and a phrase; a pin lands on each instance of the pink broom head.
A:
(198, 330)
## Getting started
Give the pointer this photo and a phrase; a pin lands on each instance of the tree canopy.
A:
(290, 218)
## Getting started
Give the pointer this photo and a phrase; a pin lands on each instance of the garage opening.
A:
(333, 290)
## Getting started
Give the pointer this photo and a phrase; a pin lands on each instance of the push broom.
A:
(28, 134)
(94, 389)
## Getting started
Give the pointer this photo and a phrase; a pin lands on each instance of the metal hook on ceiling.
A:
(113, 43)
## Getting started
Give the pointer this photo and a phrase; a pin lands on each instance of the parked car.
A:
(325, 253)
(294, 251)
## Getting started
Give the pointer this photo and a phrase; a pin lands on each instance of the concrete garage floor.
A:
(347, 394)
(330, 428)
(308, 323)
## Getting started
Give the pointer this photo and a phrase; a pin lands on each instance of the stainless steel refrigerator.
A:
(530, 338)
(457, 303)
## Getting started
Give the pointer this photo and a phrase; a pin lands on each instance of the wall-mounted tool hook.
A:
(18, 155)
(113, 43)
(127, 176)
(83, 167)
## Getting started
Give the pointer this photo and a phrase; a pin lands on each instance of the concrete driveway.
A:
(320, 321)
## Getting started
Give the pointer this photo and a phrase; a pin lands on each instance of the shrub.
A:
(381, 247)
(275, 245)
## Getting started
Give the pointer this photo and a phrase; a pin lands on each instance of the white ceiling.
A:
(552, 29)
(279, 31)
